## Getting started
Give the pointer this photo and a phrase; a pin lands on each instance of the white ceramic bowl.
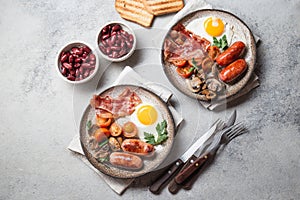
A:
(126, 28)
(67, 48)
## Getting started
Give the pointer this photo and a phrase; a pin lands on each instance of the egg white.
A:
(146, 128)
(197, 27)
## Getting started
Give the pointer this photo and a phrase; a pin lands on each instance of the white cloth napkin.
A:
(127, 76)
(190, 7)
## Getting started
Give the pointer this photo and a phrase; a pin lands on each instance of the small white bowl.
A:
(67, 48)
(126, 28)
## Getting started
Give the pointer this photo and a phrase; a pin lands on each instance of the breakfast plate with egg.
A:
(209, 54)
(126, 131)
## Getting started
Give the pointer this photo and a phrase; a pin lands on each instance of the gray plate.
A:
(161, 151)
(241, 32)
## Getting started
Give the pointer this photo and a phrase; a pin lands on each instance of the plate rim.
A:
(88, 155)
(197, 96)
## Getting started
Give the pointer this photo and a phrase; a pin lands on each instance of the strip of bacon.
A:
(185, 46)
(121, 106)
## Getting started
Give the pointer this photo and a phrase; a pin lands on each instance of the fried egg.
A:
(209, 27)
(146, 116)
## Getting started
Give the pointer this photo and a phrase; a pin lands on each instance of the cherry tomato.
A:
(129, 129)
(101, 134)
(103, 122)
(185, 72)
(179, 63)
(115, 129)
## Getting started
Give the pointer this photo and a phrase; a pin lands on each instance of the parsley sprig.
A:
(161, 129)
(222, 43)
(89, 124)
(194, 65)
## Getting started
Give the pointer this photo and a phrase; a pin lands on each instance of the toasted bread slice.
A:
(134, 10)
(161, 7)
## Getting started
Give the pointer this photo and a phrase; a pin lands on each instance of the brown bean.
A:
(70, 77)
(74, 50)
(86, 73)
(130, 38)
(79, 52)
(116, 27)
(78, 60)
(92, 57)
(72, 71)
(104, 37)
(115, 54)
(86, 49)
(85, 65)
(102, 49)
(67, 65)
(81, 70)
(122, 52)
(63, 58)
(92, 71)
(77, 65)
(71, 59)
(123, 45)
(92, 67)
(77, 73)
(115, 48)
(108, 50)
(84, 55)
(113, 39)
(104, 43)
(128, 43)
(63, 70)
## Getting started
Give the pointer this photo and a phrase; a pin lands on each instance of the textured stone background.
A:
(38, 118)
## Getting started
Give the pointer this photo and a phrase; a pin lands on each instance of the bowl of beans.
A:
(116, 41)
(77, 63)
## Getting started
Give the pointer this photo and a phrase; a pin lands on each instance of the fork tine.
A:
(241, 131)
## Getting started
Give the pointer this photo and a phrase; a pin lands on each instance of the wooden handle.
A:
(186, 173)
(163, 180)
(187, 185)
(173, 186)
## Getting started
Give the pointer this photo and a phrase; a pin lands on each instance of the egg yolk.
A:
(147, 115)
(214, 26)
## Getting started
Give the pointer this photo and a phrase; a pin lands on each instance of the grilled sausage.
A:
(138, 147)
(233, 71)
(231, 54)
(125, 160)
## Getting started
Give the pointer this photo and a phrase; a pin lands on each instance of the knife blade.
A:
(203, 160)
(187, 184)
(177, 164)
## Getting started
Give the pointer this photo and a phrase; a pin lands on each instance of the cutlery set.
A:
(184, 171)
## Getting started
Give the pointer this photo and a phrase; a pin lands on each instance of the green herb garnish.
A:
(105, 159)
(101, 144)
(222, 43)
(161, 129)
(89, 124)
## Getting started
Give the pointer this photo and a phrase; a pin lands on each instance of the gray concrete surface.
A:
(40, 112)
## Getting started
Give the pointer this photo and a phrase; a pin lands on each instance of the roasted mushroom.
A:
(194, 83)
(103, 152)
(214, 85)
(210, 95)
(207, 64)
(114, 144)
